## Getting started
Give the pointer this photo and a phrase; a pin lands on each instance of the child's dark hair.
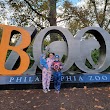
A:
(51, 53)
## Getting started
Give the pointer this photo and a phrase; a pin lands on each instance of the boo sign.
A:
(71, 46)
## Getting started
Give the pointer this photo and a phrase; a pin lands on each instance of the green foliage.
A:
(46, 42)
(95, 55)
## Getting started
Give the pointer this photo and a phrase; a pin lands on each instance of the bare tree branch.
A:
(95, 10)
(69, 17)
(104, 12)
(36, 23)
(41, 15)
(35, 10)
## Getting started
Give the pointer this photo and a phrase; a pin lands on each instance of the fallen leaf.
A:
(61, 108)
(37, 97)
(66, 95)
(72, 89)
(28, 102)
(22, 99)
(99, 89)
(28, 91)
(34, 106)
(1, 101)
(96, 106)
(96, 100)
(11, 102)
(62, 103)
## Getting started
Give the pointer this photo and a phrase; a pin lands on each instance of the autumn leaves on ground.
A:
(72, 98)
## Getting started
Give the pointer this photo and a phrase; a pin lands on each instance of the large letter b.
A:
(4, 47)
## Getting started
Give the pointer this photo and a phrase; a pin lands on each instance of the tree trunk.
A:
(52, 18)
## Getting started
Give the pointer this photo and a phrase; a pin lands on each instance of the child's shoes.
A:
(45, 91)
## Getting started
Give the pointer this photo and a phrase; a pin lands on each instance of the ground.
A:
(30, 97)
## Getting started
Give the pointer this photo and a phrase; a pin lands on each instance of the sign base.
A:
(36, 79)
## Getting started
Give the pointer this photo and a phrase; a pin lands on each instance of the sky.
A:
(74, 1)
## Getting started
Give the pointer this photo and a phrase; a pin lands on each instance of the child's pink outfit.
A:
(46, 74)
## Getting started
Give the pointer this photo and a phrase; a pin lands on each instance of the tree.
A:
(41, 12)
(3, 12)
(92, 13)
